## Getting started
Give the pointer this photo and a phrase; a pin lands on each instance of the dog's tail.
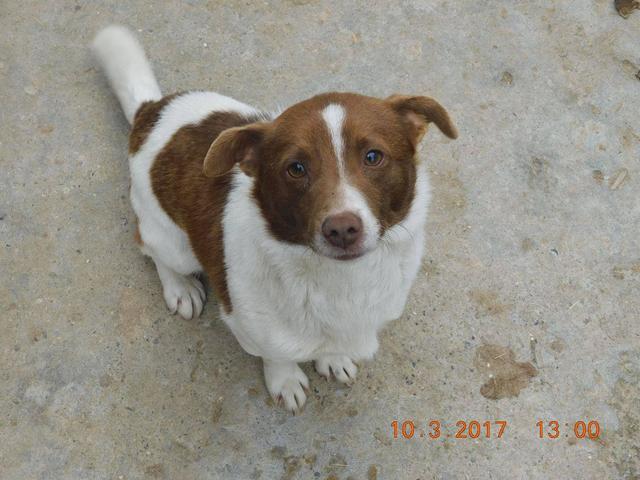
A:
(130, 75)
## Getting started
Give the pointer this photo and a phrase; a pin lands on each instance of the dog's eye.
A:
(373, 158)
(296, 170)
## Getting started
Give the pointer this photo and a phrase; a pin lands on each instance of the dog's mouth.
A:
(353, 252)
(349, 256)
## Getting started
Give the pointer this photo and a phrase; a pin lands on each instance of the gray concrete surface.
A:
(533, 245)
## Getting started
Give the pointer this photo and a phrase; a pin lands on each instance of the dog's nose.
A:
(343, 229)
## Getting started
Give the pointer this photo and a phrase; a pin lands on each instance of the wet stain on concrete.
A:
(629, 138)
(619, 271)
(105, 380)
(278, 452)
(621, 451)
(38, 334)
(626, 7)
(217, 410)
(540, 174)
(506, 78)
(155, 471)
(507, 377)
(253, 392)
(352, 412)
(598, 176)
(558, 346)
(291, 465)
(527, 245)
(372, 473)
(488, 303)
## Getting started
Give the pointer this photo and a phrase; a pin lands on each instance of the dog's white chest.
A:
(291, 303)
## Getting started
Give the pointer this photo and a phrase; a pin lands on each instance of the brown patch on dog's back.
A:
(144, 120)
(193, 201)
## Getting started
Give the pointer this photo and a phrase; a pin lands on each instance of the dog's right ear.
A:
(237, 145)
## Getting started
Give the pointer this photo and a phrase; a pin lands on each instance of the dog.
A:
(309, 223)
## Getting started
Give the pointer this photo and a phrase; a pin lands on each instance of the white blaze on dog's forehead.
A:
(347, 198)
(333, 115)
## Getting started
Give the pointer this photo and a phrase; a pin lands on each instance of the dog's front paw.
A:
(185, 295)
(340, 366)
(286, 383)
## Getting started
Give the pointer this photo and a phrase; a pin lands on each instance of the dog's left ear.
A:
(235, 146)
(419, 112)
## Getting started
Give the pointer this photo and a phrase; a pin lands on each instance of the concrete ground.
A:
(527, 307)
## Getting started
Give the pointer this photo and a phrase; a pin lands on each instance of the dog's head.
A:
(333, 172)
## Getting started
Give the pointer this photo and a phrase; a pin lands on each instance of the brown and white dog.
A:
(309, 223)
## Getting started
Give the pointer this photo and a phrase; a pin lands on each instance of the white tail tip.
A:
(127, 68)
